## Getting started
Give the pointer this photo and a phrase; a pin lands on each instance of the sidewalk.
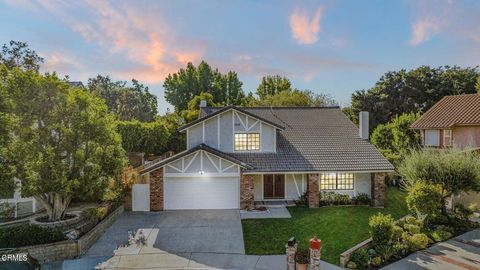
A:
(461, 252)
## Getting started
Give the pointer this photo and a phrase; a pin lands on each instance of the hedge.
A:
(27, 235)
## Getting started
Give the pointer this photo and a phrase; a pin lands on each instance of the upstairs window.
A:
(432, 137)
(336, 181)
(447, 137)
(247, 141)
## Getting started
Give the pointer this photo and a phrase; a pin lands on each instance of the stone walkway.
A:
(461, 252)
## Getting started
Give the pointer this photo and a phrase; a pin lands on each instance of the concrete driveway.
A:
(191, 231)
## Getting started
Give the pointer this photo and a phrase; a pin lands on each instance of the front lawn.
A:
(339, 227)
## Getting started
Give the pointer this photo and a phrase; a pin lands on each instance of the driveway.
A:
(195, 231)
(461, 252)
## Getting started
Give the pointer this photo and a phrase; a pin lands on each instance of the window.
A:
(447, 137)
(432, 137)
(336, 181)
(247, 141)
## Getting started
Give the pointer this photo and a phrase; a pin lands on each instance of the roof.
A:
(451, 111)
(217, 111)
(76, 84)
(203, 147)
(314, 139)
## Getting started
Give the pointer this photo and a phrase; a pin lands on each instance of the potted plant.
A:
(302, 258)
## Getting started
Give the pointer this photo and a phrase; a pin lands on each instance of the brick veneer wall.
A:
(378, 189)
(156, 190)
(313, 191)
(246, 191)
(70, 249)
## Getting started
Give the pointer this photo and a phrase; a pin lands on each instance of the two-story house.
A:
(238, 155)
(453, 121)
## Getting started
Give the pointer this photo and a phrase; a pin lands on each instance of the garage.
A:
(199, 178)
(202, 193)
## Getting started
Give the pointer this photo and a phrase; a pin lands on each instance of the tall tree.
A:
(128, 102)
(477, 85)
(293, 98)
(6, 164)
(415, 90)
(190, 81)
(64, 142)
(18, 54)
(272, 85)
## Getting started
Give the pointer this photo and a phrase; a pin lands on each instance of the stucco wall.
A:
(230, 122)
(466, 136)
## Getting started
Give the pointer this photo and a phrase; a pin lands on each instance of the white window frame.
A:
(336, 182)
(427, 142)
(450, 138)
(247, 150)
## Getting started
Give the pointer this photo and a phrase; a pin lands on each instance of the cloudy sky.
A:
(332, 47)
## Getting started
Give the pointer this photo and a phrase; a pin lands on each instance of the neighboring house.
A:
(236, 156)
(22, 206)
(453, 121)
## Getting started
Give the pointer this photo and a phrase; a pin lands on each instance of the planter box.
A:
(70, 249)
(345, 256)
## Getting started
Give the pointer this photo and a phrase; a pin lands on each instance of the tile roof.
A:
(451, 111)
(314, 139)
(193, 150)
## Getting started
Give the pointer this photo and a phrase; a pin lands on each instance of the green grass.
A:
(339, 227)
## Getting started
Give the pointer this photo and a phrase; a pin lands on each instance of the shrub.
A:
(7, 211)
(332, 198)
(412, 228)
(397, 233)
(362, 198)
(399, 250)
(302, 256)
(424, 198)
(385, 251)
(462, 212)
(381, 229)
(95, 214)
(303, 200)
(417, 241)
(27, 235)
(376, 261)
(441, 235)
(360, 258)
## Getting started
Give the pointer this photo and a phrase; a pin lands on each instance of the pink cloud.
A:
(423, 30)
(123, 30)
(305, 30)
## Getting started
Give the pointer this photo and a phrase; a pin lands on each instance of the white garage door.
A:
(202, 193)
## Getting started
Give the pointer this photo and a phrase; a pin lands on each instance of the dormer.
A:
(233, 130)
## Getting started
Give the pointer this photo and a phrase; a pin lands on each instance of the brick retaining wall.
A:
(70, 249)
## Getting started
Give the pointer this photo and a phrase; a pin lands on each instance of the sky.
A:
(332, 47)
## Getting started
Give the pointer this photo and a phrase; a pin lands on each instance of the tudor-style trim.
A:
(197, 148)
(225, 109)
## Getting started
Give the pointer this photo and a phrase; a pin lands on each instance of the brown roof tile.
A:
(451, 111)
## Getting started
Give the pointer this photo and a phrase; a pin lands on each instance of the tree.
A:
(133, 102)
(293, 98)
(150, 138)
(17, 54)
(395, 138)
(191, 113)
(272, 85)
(455, 171)
(64, 142)
(425, 199)
(416, 90)
(190, 81)
(6, 165)
(477, 85)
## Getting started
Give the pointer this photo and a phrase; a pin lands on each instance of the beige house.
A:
(453, 121)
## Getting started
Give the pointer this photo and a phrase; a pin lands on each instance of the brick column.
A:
(313, 191)
(156, 190)
(378, 189)
(246, 191)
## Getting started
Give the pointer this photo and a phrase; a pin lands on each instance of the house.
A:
(237, 155)
(453, 121)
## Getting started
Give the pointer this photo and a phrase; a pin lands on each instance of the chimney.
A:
(203, 103)
(363, 125)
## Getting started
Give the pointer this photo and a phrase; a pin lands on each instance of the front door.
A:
(274, 186)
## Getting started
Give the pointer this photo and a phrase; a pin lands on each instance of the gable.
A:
(201, 163)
